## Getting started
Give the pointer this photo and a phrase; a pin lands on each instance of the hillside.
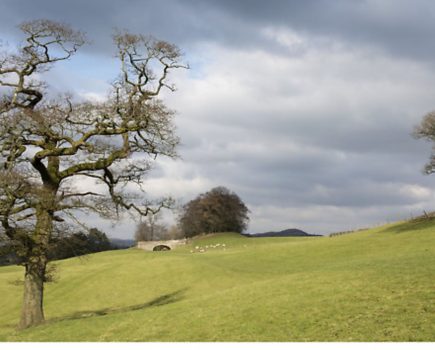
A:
(374, 285)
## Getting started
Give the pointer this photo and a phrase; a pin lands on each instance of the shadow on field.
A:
(413, 225)
(159, 301)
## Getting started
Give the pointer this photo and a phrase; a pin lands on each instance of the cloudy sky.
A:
(303, 108)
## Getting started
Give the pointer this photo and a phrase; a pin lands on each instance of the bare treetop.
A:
(138, 54)
(426, 130)
(47, 42)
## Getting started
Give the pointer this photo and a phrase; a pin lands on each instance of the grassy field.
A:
(374, 285)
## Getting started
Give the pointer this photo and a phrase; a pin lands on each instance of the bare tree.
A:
(151, 229)
(426, 130)
(49, 145)
(174, 232)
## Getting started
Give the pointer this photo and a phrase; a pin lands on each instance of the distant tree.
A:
(66, 246)
(426, 130)
(174, 232)
(97, 241)
(48, 143)
(218, 210)
(191, 218)
(151, 229)
(7, 252)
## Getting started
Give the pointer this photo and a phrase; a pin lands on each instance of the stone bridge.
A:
(150, 245)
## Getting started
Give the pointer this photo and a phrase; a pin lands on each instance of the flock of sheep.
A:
(199, 249)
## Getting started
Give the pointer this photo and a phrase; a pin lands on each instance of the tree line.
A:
(61, 246)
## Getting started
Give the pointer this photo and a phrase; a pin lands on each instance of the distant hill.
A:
(122, 243)
(290, 232)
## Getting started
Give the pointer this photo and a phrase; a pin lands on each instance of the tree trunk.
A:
(32, 312)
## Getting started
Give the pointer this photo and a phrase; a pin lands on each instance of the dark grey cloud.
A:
(401, 27)
(168, 20)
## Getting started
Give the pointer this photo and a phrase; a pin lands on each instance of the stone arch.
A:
(161, 247)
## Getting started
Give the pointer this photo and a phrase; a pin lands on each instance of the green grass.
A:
(374, 285)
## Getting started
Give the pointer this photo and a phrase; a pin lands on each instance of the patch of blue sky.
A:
(197, 63)
(83, 74)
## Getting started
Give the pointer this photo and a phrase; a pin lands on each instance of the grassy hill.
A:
(374, 285)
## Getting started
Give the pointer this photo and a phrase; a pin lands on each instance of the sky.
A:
(305, 109)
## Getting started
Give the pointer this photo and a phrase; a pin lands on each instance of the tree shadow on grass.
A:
(413, 225)
(159, 301)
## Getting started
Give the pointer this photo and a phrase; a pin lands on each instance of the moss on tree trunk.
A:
(32, 312)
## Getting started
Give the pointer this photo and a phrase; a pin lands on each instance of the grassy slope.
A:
(376, 285)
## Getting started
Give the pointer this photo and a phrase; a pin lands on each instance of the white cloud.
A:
(283, 36)
(92, 96)
(417, 192)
